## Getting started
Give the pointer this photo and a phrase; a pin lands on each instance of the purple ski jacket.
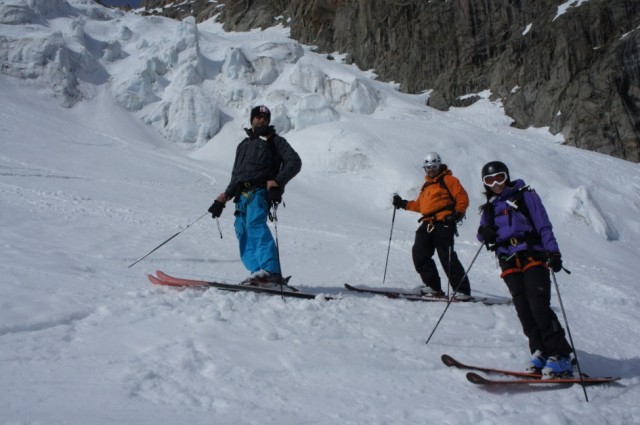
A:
(513, 225)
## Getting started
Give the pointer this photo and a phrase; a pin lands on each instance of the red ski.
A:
(167, 280)
(519, 377)
(474, 378)
(451, 362)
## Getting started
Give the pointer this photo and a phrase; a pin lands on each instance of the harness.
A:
(521, 264)
(252, 185)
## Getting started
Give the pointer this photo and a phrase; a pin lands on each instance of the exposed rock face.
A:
(575, 69)
(200, 9)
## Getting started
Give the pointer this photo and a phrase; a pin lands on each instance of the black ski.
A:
(410, 296)
(393, 294)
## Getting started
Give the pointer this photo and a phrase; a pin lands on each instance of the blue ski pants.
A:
(258, 249)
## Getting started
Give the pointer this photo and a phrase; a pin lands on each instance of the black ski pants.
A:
(530, 289)
(438, 238)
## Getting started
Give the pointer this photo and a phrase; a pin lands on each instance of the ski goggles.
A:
(495, 178)
(431, 167)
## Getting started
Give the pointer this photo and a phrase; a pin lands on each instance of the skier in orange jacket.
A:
(442, 203)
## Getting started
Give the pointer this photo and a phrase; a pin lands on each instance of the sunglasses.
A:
(495, 178)
(430, 167)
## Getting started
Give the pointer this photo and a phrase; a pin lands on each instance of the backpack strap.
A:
(517, 205)
(442, 184)
(449, 207)
(275, 153)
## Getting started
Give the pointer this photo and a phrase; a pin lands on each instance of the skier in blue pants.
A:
(264, 164)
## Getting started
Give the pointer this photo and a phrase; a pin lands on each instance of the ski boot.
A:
(463, 297)
(264, 279)
(427, 291)
(558, 367)
(536, 362)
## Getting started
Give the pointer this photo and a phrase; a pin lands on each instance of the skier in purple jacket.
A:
(514, 224)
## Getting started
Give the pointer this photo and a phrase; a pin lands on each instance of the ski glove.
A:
(216, 208)
(398, 202)
(456, 217)
(555, 261)
(488, 233)
(274, 195)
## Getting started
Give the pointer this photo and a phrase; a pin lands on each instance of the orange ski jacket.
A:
(435, 202)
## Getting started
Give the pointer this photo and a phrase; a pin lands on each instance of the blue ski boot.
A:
(558, 367)
(536, 362)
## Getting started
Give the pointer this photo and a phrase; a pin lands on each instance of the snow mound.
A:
(585, 207)
(14, 12)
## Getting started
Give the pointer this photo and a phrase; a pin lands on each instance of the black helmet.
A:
(494, 167)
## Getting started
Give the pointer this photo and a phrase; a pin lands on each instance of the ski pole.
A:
(454, 295)
(566, 323)
(449, 271)
(154, 249)
(273, 216)
(393, 220)
(219, 229)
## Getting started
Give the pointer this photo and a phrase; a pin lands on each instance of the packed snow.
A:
(117, 131)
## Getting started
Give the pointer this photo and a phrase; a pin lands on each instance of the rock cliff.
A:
(573, 66)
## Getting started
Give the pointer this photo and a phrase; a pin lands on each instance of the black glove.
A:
(456, 217)
(488, 233)
(555, 261)
(216, 209)
(398, 202)
(274, 195)
(264, 131)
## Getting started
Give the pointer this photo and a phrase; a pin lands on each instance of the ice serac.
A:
(573, 67)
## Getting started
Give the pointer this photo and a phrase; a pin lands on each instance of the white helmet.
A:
(432, 161)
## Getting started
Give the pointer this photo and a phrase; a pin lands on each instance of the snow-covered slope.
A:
(117, 131)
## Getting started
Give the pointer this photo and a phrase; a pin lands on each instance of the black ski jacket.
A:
(259, 159)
